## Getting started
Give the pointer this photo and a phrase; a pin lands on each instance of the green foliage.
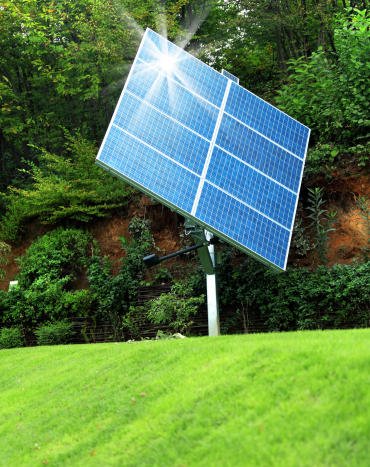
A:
(63, 188)
(176, 308)
(134, 321)
(162, 275)
(4, 252)
(321, 220)
(326, 298)
(45, 300)
(58, 62)
(48, 270)
(330, 92)
(57, 333)
(11, 338)
(300, 240)
(253, 39)
(113, 295)
(59, 254)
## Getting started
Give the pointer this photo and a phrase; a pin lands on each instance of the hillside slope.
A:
(273, 399)
(346, 243)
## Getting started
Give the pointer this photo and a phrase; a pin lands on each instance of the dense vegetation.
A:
(61, 70)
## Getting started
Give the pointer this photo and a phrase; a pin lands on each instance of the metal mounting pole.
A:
(206, 251)
(212, 300)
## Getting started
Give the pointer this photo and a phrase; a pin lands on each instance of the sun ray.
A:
(199, 19)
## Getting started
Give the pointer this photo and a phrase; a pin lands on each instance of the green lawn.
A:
(294, 399)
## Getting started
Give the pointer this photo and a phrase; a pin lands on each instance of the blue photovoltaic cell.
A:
(192, 73)
(223, 213)
(161, 133)
(252, 187)
(267, 119)
(149, 169)
(205, 146)
(173, 100)
(259, 152)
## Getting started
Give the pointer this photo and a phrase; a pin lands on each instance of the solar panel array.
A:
(200, 143)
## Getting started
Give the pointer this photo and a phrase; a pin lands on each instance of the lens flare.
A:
(167, 63)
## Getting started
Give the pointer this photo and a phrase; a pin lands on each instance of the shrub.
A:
(176, 308)
(10, 338)
(43, 301)
(61, 253)
(54, 334)
(47, 272)
(134, 321)
(327, 298)
(114, 295)
(4, 252)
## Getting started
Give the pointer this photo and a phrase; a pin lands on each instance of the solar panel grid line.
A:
(166, 115)
(244, 183)
(246, 204)
(155, 149)
(210, 150)
(240, 139)
(161, 133)
(149, 170)
(202, 70)
(255, 169)
(196, 115)
(230, 76)
(174, 134)
(296, 203)
(263, 135)
(165, 201)
(243, 234)
(198, 96)
(280, 115)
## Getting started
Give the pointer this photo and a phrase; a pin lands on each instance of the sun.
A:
(167, 63)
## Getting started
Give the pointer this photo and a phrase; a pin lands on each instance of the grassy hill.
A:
(290, 399)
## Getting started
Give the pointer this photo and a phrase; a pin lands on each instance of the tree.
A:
(57, 62)
(329, 92)
(254, 38)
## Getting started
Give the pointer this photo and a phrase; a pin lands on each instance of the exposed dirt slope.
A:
(346, 244)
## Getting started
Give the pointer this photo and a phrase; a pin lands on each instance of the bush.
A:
(4, 252)
(176, 308)
(327, 298)
(54, 334)
(45, 300)
(59, 254)
(10, 338)
(114, 295)
(47, 272)
(134, 321)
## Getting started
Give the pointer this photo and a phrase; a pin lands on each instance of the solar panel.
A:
(194, 139)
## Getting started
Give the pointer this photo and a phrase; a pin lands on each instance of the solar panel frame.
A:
(176, 207)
